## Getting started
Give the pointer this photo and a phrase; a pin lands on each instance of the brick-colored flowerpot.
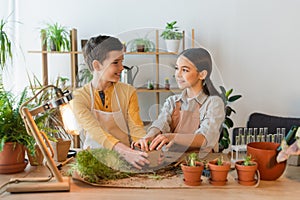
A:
(192, 175)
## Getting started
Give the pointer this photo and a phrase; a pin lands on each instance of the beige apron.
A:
(112, 122)
(185, 122)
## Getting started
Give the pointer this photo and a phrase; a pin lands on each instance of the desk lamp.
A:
(56, 182)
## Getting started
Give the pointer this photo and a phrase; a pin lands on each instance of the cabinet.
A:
(73, 53)
(159, 88)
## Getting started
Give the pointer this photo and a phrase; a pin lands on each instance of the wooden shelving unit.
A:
(73, 53)
(73, 59)
(157, 53)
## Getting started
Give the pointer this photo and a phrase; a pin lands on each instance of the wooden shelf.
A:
(151, 53)
(157, 54)
(176, 90)
(73, 58)
(57, 52)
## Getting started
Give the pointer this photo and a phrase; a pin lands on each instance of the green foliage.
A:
(84, 76)
(171, 32)
(95, 165)
(248, 161)
(149, 46)
(228, 123)
(220, 161)
(5, 45)
(57, 35)
(191, 159)
(12, 127)
(49, 121)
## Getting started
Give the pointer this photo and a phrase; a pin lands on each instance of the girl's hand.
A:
(160, 140)
(142, 144)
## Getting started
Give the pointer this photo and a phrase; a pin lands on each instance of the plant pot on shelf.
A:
(192, 175)
(12, 158)
(53, 46)
(140, 48)
(61, 149)
(172, 45)
(246, 174)
(218, 173)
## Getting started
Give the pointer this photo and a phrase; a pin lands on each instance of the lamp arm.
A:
(28, 119)
(39, 137)
(34, 111)
(39, 92)
(48, 143)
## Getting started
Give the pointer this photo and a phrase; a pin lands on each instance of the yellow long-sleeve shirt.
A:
(128, 99)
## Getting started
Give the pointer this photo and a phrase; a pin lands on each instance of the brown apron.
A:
(111, 122)
(185, 122)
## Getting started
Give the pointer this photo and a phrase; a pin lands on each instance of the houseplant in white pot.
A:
(172, 36)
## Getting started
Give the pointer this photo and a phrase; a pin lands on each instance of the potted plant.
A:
(246, 170)
(13, 135)
(228, 98)
(218, 171)
(56, 37)
(5, 45)
(172, 36)
(192, 170)
(140, 45)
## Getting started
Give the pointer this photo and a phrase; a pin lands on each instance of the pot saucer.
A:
(196, 183)
(247, 183)
(9, 169)
(217, 183)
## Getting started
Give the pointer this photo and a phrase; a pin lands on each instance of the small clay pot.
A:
(140, 48)
(192, 175)
(265, 153)
(246, 174)
(218, 173)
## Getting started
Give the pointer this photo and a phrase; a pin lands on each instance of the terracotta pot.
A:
(246, 174)
(218, 173)
(37, 159)
(265, 153)
(61, 149)
(192, 175)
(140, 48)
(12, 158)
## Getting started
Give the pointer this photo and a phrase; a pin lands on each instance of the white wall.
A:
(255, 43)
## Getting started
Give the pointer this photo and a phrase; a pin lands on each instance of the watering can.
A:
(127, 75)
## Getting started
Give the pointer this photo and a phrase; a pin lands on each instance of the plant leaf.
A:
(228, 93)
(234, 98)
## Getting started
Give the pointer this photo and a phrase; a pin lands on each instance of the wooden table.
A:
(286, 187)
